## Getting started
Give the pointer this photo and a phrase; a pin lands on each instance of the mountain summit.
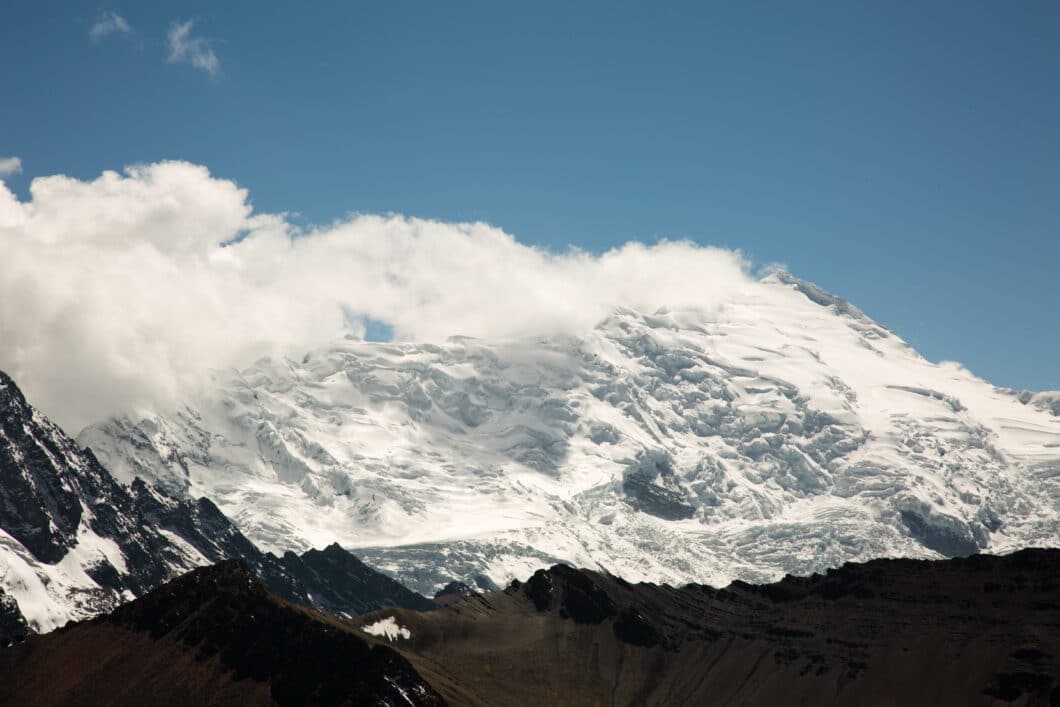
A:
(782, 431)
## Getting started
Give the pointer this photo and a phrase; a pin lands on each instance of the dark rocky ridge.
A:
(12, 624)
(217, 636)
(452, 593)
(44, 480)
(341, 584)
(982, 630)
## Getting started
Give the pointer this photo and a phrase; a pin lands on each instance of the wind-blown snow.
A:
(781, 431)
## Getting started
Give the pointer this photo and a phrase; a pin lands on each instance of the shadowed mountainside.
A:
(214, 636)
(981, 630)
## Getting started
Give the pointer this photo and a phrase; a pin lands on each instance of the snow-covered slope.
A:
(71, 541)
(75, 543)
(783, 431)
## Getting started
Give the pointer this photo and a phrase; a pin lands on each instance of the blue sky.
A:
(903, 155)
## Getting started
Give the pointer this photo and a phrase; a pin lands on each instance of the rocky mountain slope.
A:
(214, 636)
(781, 431)
(74, 543)
(983, 630)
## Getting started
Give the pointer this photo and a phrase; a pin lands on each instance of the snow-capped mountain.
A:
(74, 543)
(782, 431)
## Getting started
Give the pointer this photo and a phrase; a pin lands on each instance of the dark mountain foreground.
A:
(215, 636)
(982, 630)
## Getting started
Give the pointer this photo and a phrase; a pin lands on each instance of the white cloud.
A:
(109, 23)
(188, 48)
(10, 165)
(118, 293)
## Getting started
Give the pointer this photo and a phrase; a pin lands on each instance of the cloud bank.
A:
(117, 294)
(188, 48)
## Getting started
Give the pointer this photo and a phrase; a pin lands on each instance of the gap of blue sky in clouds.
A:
(904, 156)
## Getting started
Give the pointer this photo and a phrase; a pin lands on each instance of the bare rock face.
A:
(12, 624)
(40, 497)
(651, 485)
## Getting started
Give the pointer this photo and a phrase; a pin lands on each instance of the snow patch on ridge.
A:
(387, 628)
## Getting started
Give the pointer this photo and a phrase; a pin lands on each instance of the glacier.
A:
(780, 431)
